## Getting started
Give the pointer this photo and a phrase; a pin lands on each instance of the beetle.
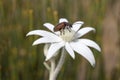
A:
(62, 26)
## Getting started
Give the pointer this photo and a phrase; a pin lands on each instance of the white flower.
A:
(69, 39)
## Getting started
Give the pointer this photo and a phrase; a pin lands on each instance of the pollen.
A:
(67, 35)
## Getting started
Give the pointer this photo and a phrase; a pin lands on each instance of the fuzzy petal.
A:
(63, 20)
(90, 43)
(42, 33)
(70, 50)
(84, 31)
(46, 47)
(76, 26)
(84, 51)
(49, 26)
(53, 49)
(46, 40)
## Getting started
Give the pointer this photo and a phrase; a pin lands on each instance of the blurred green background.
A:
(19, 60)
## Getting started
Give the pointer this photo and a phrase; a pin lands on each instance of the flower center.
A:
(67, 35)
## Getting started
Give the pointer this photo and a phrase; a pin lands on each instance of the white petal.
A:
(63, 20)
(34, 32)
(84, 51)
(76, 26)
(53, 49)
(57, 33)
(42, 33)
(46, 40)
(90, 43)
(70, 50)
(46, 47)
(49, 26)
(84, 31)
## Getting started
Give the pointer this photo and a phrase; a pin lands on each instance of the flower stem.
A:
(54, 70)
(52, 61)
(47, 66)
(60, 64)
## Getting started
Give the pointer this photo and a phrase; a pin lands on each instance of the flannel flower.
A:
(70, 40)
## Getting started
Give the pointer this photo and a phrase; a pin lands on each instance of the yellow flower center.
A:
(67, 35)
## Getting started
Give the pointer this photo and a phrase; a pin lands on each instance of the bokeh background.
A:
(19, 60)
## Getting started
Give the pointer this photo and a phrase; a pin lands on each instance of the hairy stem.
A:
(60, 64)
(52, 61)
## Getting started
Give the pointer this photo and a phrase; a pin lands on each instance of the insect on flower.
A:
(69, 39)
(62, 26)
